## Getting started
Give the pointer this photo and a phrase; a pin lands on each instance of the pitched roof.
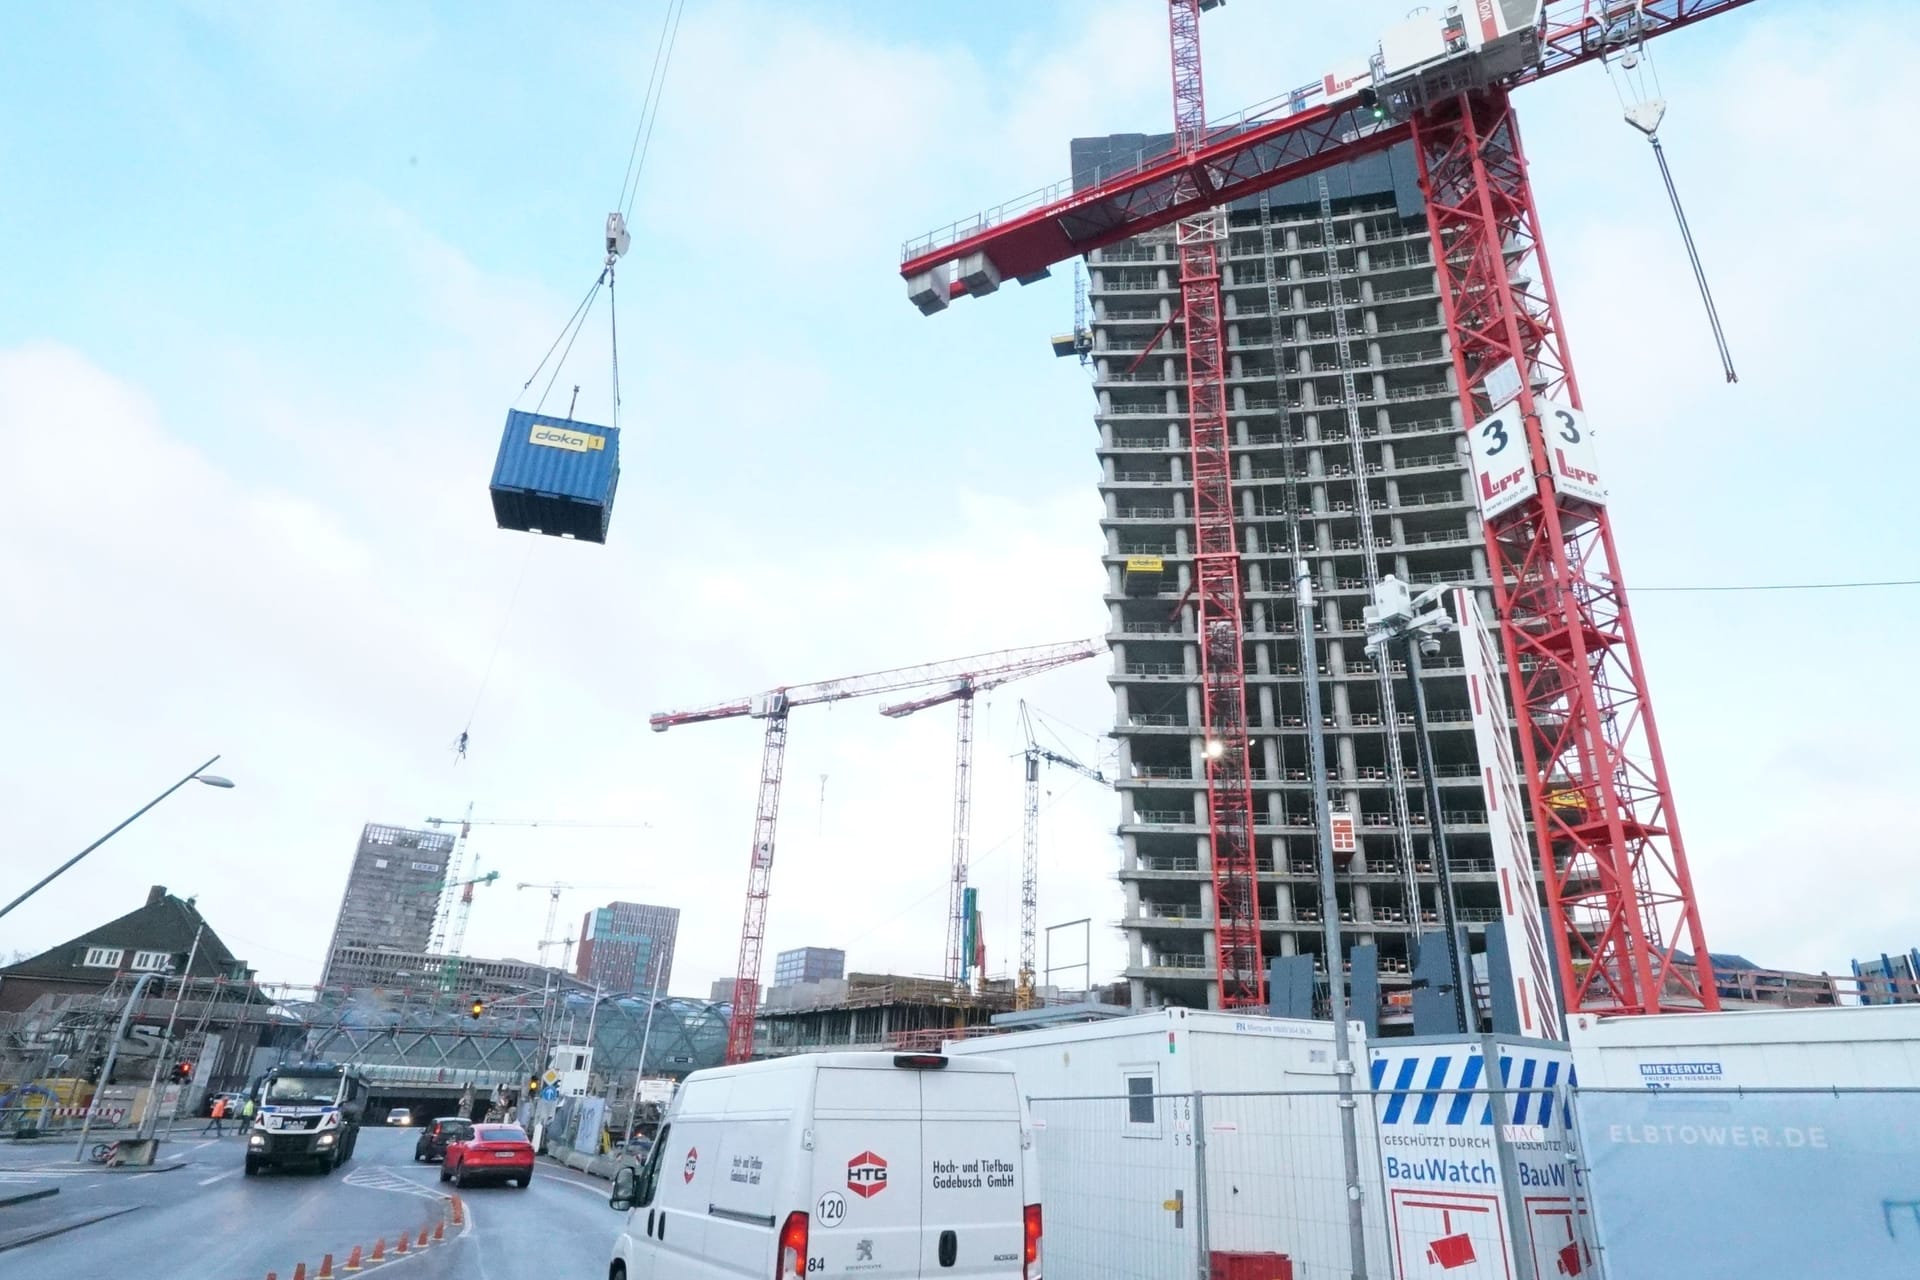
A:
(163, 923)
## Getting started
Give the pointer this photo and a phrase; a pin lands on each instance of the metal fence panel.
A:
(1119, 1187)
(1712, 1184)
(1277, 1181)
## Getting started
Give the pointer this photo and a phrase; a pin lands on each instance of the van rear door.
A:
(866, 1180)
(972, 1219)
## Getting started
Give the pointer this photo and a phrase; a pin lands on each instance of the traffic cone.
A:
(402, 1246)
(422, 1241)
(353, 1259)
(379, 1250)
(458, 1210)
(273, 1275)
(326, 1268)
(299, 1271)
(439, 1231)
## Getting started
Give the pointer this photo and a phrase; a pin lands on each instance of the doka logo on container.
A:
(866, 1175)
(560, 438)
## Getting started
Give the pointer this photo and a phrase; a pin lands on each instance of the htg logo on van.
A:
(866, 1175)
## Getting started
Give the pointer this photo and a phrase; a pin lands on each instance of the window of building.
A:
(153, 961)
(380, 863)
(103, 957)
(1140, 1100)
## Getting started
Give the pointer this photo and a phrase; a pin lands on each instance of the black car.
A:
(433, 1140)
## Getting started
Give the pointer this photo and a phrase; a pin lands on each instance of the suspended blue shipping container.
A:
(556, 476)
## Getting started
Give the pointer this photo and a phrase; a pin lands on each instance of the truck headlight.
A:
(257, 1140)
(324, 1140)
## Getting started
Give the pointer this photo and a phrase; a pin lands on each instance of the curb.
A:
(21, 1197)
(68, 1166)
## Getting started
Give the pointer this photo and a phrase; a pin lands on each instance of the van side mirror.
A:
(626, 1181)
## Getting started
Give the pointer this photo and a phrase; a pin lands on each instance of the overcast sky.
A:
(273, 274)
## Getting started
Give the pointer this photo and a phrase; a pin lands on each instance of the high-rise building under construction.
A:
(1347, 453)
(393, 892)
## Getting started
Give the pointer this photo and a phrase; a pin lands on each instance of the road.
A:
(208, 1222)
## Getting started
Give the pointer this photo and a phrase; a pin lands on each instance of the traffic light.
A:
(182, 1072)
(477, 1008)
(533, 1088)
(1371, 101)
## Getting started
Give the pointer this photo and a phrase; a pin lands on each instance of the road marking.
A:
(572, 1182)
(207, 1182)
(208, 1143)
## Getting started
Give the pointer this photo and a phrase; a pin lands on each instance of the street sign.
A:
(682, 1060)
(548, 1093)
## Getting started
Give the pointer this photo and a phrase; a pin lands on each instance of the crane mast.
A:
(962, 695)
(1618, 887)
(1610, 845)
(1215, 587)
(773, 707)
(1024, 995)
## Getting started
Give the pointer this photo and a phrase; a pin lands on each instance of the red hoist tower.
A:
(1618, 888)
(970, 674)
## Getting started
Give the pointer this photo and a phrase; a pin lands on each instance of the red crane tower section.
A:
(773, 707)
(1216, 557)
(1618, 886)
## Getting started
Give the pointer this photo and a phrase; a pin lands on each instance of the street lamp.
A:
(198, 775)
(1415, 624)
(1330, 922)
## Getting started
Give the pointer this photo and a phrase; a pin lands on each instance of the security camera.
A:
(1429, 646)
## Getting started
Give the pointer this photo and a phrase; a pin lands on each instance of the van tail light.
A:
(1030, 1264)
(793, 1248)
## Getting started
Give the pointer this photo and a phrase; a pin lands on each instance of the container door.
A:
(866, 1179)
(972, 1209)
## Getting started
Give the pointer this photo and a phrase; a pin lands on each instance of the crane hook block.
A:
(617, 238)
(556, 476)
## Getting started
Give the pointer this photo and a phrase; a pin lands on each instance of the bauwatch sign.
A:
(866, 1175)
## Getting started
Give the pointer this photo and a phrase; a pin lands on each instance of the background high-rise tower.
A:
(628, 946)
(1346, 445)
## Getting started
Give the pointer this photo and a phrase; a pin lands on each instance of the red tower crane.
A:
(962, 692)
(1618, 887)
(773, 707)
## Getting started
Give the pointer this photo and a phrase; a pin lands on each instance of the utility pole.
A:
(1415, 624)
(1330, 923)
(151, 1120)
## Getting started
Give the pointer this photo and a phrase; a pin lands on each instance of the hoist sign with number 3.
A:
(1502, 474)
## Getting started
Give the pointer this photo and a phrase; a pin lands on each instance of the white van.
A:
(876, 1165)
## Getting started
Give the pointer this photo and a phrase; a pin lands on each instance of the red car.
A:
(498, 1152)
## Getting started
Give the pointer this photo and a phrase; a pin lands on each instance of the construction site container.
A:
(556, 476)
(1477, 1152)
(1853, 1047)
(1189, 1142)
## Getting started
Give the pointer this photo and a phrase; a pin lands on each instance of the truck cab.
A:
(308, 1116)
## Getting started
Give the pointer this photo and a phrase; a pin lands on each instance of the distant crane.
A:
(554, 890)
(451, 934)
(773, 707)
(962, 692)
(1024, 993)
